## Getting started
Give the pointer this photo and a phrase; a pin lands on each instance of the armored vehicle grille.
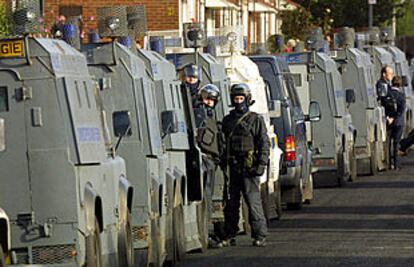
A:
(137, 21)
(25, 16)
(53, 254)
(112, 21)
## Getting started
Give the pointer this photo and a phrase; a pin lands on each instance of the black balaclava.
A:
(241, 107)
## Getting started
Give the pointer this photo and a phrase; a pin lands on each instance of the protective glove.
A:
(258, 171)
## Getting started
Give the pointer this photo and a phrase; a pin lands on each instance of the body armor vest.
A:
(242, 139)
(207, 134)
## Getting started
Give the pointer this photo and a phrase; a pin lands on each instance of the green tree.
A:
(4, 21)
(354, 13)
(295, 23)
(406, 22)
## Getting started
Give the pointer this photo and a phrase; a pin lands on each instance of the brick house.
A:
(259, 18)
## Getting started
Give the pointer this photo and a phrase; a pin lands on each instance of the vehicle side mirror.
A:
(382, 90)
(350, 96)
(122, 123)
(169, 121)
(275, 109)
(314, 111)
(404, 80)
(2, 135)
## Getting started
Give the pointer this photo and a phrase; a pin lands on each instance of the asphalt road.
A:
(369, 222)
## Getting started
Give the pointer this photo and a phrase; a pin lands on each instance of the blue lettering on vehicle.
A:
(181, 127)
(154, 68)
(293, 58)
(370, 91)
(339, 93)
(89, 134)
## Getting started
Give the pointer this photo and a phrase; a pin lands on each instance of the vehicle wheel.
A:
(179, 232)
(308, 192)
(93, 248)
(353, 162)
(341, 170)
(298, 196)
(125, 246)
(373, 159)
(278, 200)
(202, 224)
(2, 260)
(387, 153)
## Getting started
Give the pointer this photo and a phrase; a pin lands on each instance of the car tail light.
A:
(290, 148)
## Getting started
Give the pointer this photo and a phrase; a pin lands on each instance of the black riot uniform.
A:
(397, 126)
(246, 156)
(393, 101)
(208, 138)
(384, 96)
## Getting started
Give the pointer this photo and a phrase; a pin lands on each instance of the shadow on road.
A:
(364, 210)
(340, 224)
(242, 261)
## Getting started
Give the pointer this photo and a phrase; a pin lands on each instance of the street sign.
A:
(372, 2)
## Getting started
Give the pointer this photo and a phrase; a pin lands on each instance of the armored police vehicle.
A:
(5, 242)
(317, 79)
(356, 67)
(289, 127)
(184, 157)
(70, 200)
(380, 57)
(125, 89)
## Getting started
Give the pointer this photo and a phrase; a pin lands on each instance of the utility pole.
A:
(371, 4)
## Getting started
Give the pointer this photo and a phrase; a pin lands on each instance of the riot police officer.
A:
(396, 119)
(245, 157)
(209, 141)
(191, 81)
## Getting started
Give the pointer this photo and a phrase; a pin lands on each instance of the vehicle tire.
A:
(341, 170)
(373, 159)
(308, 192)
(93, 248)
(353, 163)
(202, 224)
(298, 196)
(2, 259)
(179, 232)
(278, 200)
(125, 246)
(387, 153)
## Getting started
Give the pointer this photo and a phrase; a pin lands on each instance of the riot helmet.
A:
(192, 78)
(241, 89)
(209, 92)
(191, 70)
